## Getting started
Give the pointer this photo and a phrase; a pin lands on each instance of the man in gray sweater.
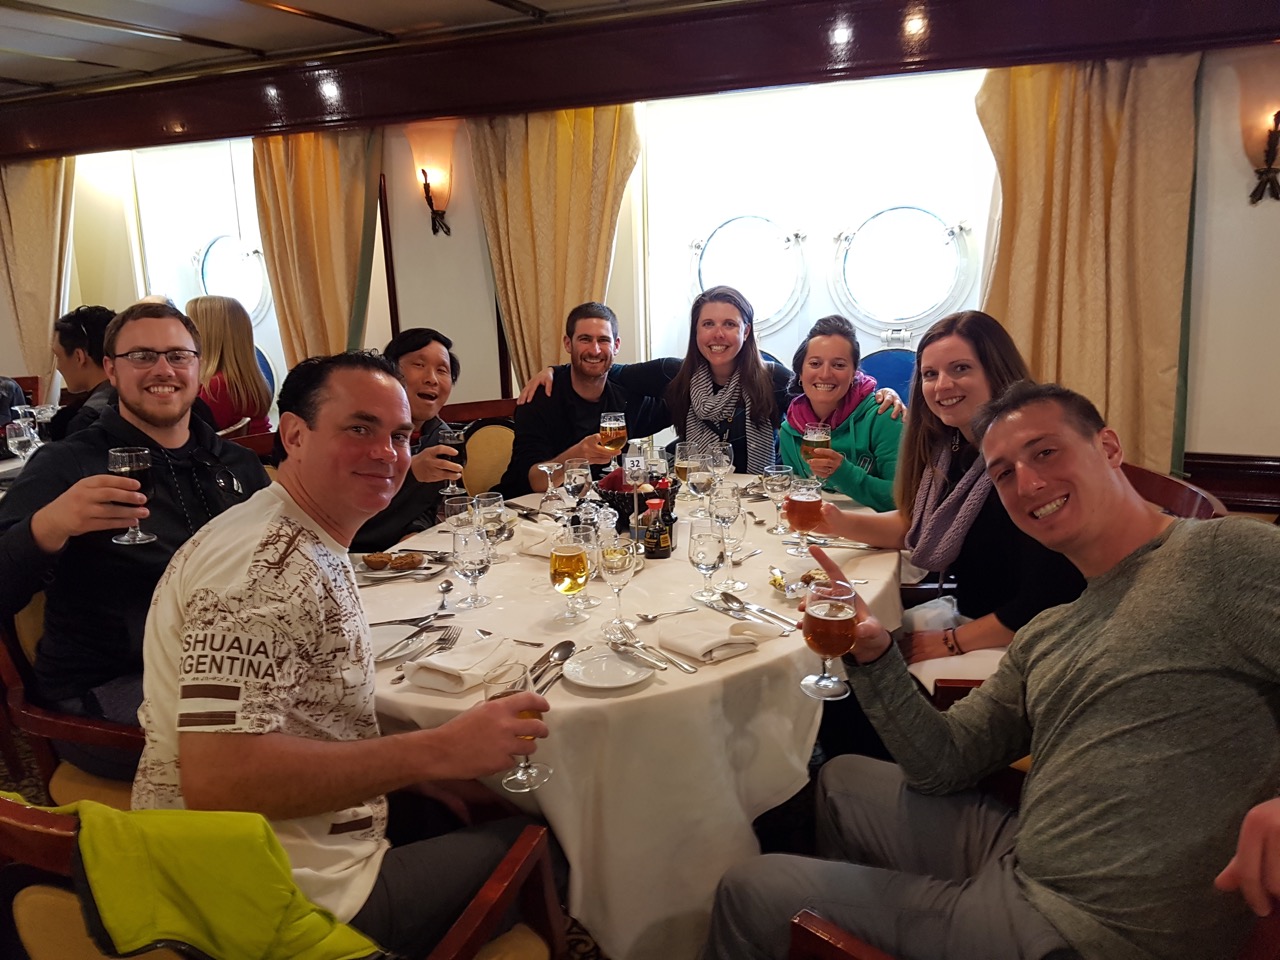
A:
(1149, 707)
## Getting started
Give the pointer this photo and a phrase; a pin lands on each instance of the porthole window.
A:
(227, 267)
(901, 270)
(755, 255)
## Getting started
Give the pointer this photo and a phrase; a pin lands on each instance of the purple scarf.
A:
(800, 413)
(939, 526)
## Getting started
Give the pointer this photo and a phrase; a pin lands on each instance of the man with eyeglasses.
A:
(58, 520)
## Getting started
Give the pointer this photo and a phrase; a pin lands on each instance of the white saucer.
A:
(604, 670)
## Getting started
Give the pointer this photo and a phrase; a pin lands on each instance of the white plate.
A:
(604, 670)
(387, 573)
(383, 638)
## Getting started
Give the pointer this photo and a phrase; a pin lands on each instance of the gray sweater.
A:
(1150, 708)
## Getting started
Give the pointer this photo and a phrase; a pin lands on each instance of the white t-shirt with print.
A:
(256, 627)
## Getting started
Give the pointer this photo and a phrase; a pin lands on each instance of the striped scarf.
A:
(711, 414)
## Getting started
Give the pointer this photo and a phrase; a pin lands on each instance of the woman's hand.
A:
(429, 465)
(923, 645)
(825, 462)
(888, 399)
(543, 378)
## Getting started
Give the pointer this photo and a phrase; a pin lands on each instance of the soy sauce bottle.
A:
(657, 532)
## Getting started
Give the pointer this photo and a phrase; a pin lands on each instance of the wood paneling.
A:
(1242, 483)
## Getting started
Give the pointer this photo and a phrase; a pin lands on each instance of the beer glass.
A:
(777, 484)
(132, 462)
(613, 434)
(817, 436)
(585, 534)
(569, 570)
(828, 625)
(458, 440)
(804, 511)
(685, 453)
(505, 681)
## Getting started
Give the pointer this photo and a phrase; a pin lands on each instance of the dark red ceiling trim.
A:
(710, 49)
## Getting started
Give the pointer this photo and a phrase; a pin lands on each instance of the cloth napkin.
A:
(535, 539)
(458, 669)
(712, 643)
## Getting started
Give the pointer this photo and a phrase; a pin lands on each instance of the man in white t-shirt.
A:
(258, 680)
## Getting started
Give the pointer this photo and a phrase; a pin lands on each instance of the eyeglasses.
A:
(226, 480)
(142, 359)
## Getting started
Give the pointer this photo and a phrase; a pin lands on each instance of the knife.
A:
(833, 542)
(773, 615)
(550, 681)
(721, 608)
(540, 666)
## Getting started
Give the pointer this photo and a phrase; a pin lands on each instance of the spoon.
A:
(445, 588)
(756, 520)
(556, 657)
(651, 617)
(735, 603)
(737, 561)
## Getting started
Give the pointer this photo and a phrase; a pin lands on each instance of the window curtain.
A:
(317, 199)
(35, 249)
(1096, 163)
(550, 187)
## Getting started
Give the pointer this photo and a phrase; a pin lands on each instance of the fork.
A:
(631, 638)
(446, 641)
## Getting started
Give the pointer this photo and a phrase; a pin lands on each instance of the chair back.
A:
(36, 837)
(237, 429)
(1175, 497)
(891, 368)
(489, 442)
(263, 444)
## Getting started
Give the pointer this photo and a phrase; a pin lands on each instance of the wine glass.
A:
(577, 478)
(458, 440)
(804, 511)
(618, 565)
(685, 453)
(734, 537)
(613, 434)
(569, 570)
(817, 436)
(585, 534)
(491, 512)
(550, 468)
(457, 511)
(829, 621)
(700, 480)
(132, 462)
(706, 553)
(721, 457)
(504, 681)
(777, 484)
(21, 440)
(471, 562)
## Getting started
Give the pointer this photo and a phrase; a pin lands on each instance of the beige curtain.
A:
(1096, 163)
(550, 187)
(35, 247)
(317, 206)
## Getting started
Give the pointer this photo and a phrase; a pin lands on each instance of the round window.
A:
(759, 258)
(229, 268)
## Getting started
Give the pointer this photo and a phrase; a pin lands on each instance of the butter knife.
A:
(773, 615)
(721, 608)
(550, 681)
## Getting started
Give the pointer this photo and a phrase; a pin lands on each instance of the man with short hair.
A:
(1148, 707)
(58, 520)
(260, 684)
(566, 423)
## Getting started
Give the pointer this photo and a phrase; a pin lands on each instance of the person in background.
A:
(231, 382)
(429, 367)
(77, 350)
(864, 446)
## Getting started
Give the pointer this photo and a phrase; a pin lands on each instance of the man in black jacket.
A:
(566, 424)
(58, 520)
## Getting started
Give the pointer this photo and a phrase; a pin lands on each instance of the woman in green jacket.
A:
(864, 444)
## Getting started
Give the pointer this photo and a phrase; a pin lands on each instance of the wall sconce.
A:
(432, 145)
(1268, 174)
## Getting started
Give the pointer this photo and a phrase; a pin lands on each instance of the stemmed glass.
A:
(613, 434)
(721, 458)
(457, 511)
(550, 496)
(569, 571)
(726, 505)
(21, 439)
(491, 512)
(685, 453)
(577, 478)
(777, 484)
(471, 562)
(585, 534)
(706, 553)
(618, 564)
(804, 511)
(132, 462)
(734, 537)
(817, 436)
(504, 681)
(458, 440)
(700, 480)
(829, 621)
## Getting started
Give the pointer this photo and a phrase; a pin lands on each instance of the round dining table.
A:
(654, 785)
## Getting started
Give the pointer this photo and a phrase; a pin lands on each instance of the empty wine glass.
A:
(618, 565)
(132, 462)
(734, 537)
(21, 440)
(458, 440)
(777, 484)
(551, 468)
(585, 534)
(569, 571)
(505, 681)
(804, 511)
(458, 511)
(700, 480)
(829, 622)
(721, 459)
(706, 553)
(491, 514)
(471, 562)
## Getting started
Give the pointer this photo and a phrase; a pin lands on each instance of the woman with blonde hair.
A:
(231, 382)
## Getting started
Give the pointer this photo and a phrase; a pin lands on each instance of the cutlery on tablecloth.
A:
(675, 661)
(446, 641)
(734, 602)
(406, 646)
(421, 621)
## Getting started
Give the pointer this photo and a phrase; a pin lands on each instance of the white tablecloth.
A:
(655, 786)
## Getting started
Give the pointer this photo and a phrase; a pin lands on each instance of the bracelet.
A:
(951, 641)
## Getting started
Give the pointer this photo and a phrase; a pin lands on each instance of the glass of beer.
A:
(804, 511)
(829, 622)
(585, 534)
(777, 484)
(817, 436)
(686, 452)
(458, 440)
(570, 568)
(613, 434)
(505, 681)
(132, 462)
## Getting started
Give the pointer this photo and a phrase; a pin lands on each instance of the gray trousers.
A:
(920, 877)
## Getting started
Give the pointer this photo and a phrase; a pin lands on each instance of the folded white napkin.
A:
(535, 539)
(458, 669)
(711, 643)
(974, 665)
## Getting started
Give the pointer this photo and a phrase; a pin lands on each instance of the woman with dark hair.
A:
(77, 349)
(430, 369)
(864, 446)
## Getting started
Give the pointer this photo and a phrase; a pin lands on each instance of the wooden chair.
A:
(459, 413)
(1174, 496)
(64, 781)
(489, 442)
(50, 925)
(31, 387)
(813, 938)
(237, 429)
